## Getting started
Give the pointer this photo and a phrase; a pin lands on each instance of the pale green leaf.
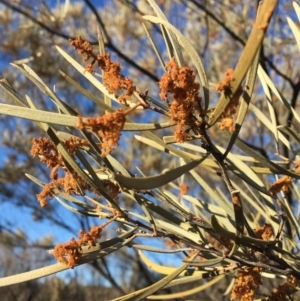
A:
(89, 255)
(192, 291)
(246, 59)
(176, 47)
(155, 181)
(269, 102)
(295, 31)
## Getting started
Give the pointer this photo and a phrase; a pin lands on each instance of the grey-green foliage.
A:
(193, 223)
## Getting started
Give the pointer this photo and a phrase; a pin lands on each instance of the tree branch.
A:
(108, 44)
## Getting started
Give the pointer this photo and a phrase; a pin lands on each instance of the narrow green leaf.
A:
(295, 31)
(291, 215)
(297, 9)
(159, 284)
(157, 52)
(157, 143)
(160, 269)
(38, 115)
(85, 92)
(117, 166)
(107, 100)
(93, 253)
(245, 100)
(93, 213)
(262, 117)
(269, 102)
(70, 121)
(155, 181)
(47, 91)
(146, 126)
(176, 47)
(257, 204)
(244, 171)
(101, 43)
(174, 199)
(163, 212)
(198, 276)
(183, 231)
(192, 291)
(281, 98)
(32, 73)
(13, 94)
(245, 239)
(213, 194)
(209, 208)
(254, 42)
(275, 168)
(144, 207)
(293, 134)
(207, 262)
(158, 250)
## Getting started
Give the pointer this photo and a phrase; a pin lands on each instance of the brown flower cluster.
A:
(48, 154)
(108, 127)
(180, 82)
(184, 188)
(226, 119)
(281, 184)
(70, 252)
(265, 232)
(247, 283)
(113, 80)
(280, 293)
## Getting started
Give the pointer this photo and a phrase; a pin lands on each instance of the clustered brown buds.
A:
(108, 127)
(113, 80)
(180, 82)
(281, 184)
(281, 292)
(226, 119)
(265, 232)
(70, 252)
(48, 154)
(246, 284)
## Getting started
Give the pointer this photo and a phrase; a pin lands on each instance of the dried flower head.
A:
(180, 82)
(247, 283)
(280, 293)
(226, 119)
(113, 80)
(108, 127)
(90, 237)
(281, 184)
(265, 232)
(46, 193)
(48, 154)
(183, 188)
(70, 252)
(225, 85)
